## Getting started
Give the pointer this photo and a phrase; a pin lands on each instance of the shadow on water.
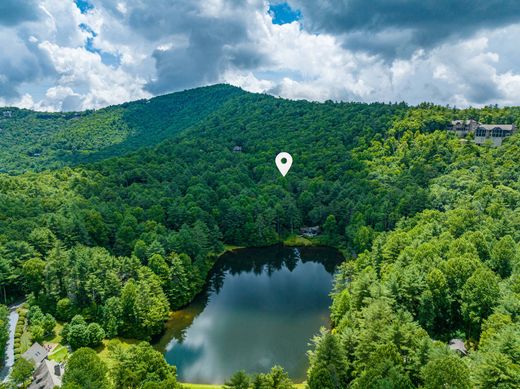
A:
(260, 307)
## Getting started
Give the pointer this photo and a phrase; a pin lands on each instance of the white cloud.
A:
(172, 45)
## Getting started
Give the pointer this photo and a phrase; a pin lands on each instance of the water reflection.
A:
(260, 308)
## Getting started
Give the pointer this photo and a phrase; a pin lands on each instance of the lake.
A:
(260, 308)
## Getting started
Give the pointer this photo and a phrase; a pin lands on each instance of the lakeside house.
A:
(310, 232)
(48, 374)
(494, 133)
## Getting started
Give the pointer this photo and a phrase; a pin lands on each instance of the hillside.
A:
(34, 141)
(433, 225)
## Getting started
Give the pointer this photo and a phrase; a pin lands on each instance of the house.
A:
(494, 133)
(47, 376)
(458, 346)
(36, 353)
(237, 149)
(463, 127)
(7, 114)
(310, 232)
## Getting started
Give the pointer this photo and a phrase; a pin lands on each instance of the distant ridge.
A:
(34, 141)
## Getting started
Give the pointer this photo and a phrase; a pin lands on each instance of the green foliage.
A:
(22, 372)
(33, 141)
(4, 329)
(434, 222)
(78, 333)
(85, 370)
(446, 370)
(141, 364)
(329, 366)
(239, 380)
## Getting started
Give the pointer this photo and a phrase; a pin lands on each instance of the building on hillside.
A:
(237, 149)
(36, 353)
(463, 127)
(458, 346)
(491, 133)
(310, 232)
(47, 376)
(495, 133)
(7, 114)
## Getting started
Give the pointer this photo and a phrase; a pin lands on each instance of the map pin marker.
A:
(283, 166)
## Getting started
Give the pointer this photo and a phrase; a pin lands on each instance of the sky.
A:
(64, 55)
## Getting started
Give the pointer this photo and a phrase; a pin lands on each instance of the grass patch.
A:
(25, 341)
(208, 386)
(105, 354)
(59, 354)
(298, 240)
(56, 337)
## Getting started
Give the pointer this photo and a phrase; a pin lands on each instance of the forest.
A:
(110, 219)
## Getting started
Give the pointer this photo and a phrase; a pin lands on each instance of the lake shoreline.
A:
(279, 257)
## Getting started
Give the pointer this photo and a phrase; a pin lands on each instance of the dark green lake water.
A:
(260, 308)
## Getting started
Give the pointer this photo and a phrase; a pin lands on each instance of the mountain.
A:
(131, 226)
(34, 141)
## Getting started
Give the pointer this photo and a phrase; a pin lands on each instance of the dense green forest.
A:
(107, 237)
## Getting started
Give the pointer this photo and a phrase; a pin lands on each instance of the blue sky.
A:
(80, 54)
(282, 13)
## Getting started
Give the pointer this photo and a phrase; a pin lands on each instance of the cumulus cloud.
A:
(396, 28)
(58, 56)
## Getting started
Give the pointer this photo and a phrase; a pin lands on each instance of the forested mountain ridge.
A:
(35, 141)
(434, 221)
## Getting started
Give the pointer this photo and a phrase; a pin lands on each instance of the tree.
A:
(95, 334)
(496, 370)
(277, 378)
(504, 256)
(37, 333)
(33, 273)
(141, 363)
(330, 228)
(77, 336)
(112, 316)
(384, 370)
(144, 306)
(48, 324)
(64, 309)
(85, 370)
(22, 371)
(239, 380)
(446, 371)
(177, 287)
(480, 295)
(80, 334)
(328, 365)
(42, 239)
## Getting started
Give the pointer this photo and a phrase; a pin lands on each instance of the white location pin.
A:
(283, 166)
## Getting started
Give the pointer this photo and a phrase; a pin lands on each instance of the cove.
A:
(260, 308)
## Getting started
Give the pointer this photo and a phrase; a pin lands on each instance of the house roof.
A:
(45, 376)
(458, 345)
(36, 353)
(506, 127)
(461, 121)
